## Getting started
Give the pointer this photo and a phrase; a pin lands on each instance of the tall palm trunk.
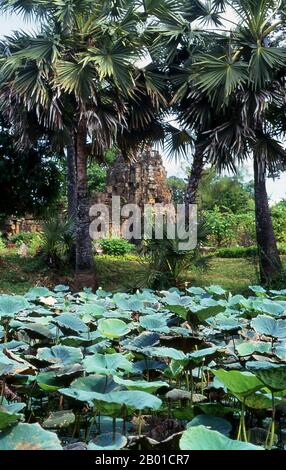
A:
(72, 193)
(85, 272)
(195, 177)
(270, 263)
(71, 182)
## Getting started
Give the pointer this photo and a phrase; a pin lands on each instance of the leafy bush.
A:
(244, 251)
(58, 239)
(2, 242)
(236, 252)
(116, 246)
(22, 237)
(278, 214)
(33, 240)
(167, 264)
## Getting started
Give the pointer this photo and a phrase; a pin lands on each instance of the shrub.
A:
(33, 240)
(22, 237)
(2, 242)
(236, 252)
(243, 251)
(58, 239)
(116, 246)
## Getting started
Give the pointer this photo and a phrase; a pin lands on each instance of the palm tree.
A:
(228, 86)
(180, 35)
(243, 78)
(83, 59)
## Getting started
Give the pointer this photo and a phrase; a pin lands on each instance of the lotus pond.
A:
(169, 370)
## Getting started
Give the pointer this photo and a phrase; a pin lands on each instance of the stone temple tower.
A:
(140, 181)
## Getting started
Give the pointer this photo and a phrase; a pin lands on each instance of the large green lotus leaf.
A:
(135, 399)
(95, 383)
(280, 351)
(259, 290)
(144, 340)
(66, 371)
(217, 290)
(59, 419)
(260, 401)
(236, 300)
(269, 307)
(107, 364)
(29, 437)
(216, 409)
(250, 347)
(85, 396)
(108, 441)
(129, 303)
(48, 382)
(147, 364)
(196, 290)
(241, 383)
(37, 292)
(179, 310)
(223, 323)
(36, 331)
(154, 323)
(14, 346)
(185, 332)
(10, 305)
(60, 288)
(118, 314)
(98, 347)
(85, 339)
(93, 310)
(201, 354)
(268, 326)
(68, 322)
(7, 419)
(12, 408)
(271, 374)
(202, 438)
(208, 307)
(211, 422)
(143, 385)
(14, 366)
(183, 413)
(171, 353)
(112, 327)
(281, 292)
(60, 355)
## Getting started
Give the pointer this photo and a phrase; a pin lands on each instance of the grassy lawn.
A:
(18, 274)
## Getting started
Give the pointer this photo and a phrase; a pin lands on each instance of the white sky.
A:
(276, 189)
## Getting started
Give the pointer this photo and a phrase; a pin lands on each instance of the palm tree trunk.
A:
(269, 260)
(71, 182)
(72, 193)
(85, 271)
(195, 177)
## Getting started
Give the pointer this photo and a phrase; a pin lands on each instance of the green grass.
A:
(18, 274)
(234, 275)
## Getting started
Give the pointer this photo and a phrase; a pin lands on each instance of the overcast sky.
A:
(276, 189)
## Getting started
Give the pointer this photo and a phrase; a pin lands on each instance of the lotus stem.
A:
(272, 432)
(3, 390)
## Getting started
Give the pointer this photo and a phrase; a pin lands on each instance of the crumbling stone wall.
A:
(14, 225)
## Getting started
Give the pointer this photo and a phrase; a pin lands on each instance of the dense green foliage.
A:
(92, 365)
(116, 246)
(30, 181)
